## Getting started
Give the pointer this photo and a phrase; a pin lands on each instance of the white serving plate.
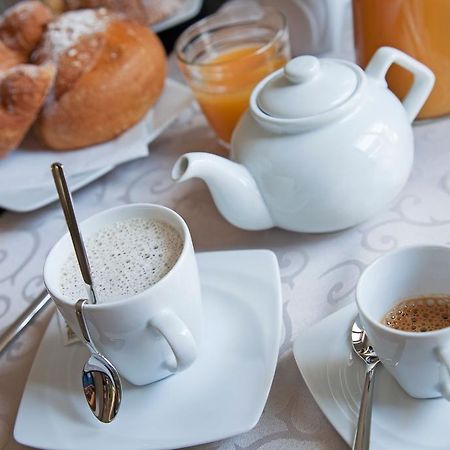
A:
(222, 394)
(189, 9)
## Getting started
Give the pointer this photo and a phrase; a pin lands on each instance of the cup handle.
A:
(424, 78)
(444, 357)
(178, 337)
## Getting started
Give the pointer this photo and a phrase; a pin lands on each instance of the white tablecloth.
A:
(319, 272)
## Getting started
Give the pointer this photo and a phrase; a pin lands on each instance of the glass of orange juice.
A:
(225, 55)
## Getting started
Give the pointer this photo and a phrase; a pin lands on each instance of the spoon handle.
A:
(79, 312)
(362, 435)
(65, 198)
(83, 326)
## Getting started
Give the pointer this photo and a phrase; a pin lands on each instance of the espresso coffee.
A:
(420, 314)
(126, 258)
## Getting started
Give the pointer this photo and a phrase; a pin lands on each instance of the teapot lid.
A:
(307, 87)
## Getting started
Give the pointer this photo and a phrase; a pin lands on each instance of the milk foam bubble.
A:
(126, 258)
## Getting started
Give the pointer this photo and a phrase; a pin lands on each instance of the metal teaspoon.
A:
(101, 381)
(362, 347)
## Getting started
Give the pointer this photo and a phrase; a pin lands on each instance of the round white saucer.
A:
(335, 379)
(222, 394)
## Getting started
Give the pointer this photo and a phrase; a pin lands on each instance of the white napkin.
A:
(24, 169)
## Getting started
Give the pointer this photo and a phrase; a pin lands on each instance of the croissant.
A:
(23, 90)
(8, 58)
(21, 28)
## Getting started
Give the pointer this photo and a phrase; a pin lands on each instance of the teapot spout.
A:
(232, 187)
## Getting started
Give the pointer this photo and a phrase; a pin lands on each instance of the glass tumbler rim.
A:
(202, 26)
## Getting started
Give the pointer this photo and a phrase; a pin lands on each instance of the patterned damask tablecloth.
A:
(319, 272)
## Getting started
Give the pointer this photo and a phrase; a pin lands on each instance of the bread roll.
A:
(23, 90)
(110, 71)
(21, 28)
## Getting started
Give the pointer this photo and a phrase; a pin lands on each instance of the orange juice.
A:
(419, 28)
(224, 97)
(226, 54)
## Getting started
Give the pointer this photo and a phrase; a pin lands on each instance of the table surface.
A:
(318, 272)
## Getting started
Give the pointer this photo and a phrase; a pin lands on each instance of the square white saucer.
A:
(335, 379)
(222, 394)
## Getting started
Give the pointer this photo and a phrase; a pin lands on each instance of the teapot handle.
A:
(424, 78)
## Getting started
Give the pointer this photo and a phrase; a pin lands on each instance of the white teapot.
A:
(323, 146)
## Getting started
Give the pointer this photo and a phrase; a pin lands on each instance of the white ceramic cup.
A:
(420, 362)
(150, 335)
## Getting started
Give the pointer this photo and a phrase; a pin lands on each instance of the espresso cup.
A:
(420, 362)
(150, 335)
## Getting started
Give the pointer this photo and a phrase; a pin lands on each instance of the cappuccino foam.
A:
(126, 258)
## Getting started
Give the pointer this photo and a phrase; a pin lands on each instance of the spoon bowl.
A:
(102, 388)
(101, 382)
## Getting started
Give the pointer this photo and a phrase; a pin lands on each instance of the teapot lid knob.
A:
(302, 69)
